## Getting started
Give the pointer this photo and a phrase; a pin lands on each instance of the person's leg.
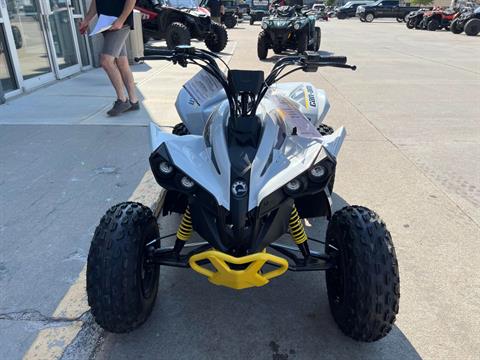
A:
(127, 76)
(109, 65)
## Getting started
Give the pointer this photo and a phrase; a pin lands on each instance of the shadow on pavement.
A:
(287, 319)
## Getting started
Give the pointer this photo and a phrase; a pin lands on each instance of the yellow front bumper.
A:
(238, 279)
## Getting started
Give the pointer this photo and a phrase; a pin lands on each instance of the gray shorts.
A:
(114, 42)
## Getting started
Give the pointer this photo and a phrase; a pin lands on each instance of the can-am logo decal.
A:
(311, 96)
(239, 188)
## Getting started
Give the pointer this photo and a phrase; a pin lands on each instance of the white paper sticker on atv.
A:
(294, 118)
(202, 87)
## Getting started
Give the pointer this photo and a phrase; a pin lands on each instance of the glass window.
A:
(32, 53)
(7, 78)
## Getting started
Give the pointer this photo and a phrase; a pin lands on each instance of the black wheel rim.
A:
(336, 281)
(147, 272)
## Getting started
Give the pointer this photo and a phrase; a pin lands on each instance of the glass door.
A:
(35, 65)
(8, 82)
(60, 31)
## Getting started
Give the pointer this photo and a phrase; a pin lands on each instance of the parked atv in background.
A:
(258, 10)
(320, 11)
(437, 19)
(414, 18)
(178, 21)
(229, 17)
(258, 167)
(469, 21)
(288, 28)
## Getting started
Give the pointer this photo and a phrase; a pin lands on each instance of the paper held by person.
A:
(104, 23)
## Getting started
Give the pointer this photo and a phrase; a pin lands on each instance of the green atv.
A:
(288, 28)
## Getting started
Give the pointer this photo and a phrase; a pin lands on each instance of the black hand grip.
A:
(149, 51)
(333, 59)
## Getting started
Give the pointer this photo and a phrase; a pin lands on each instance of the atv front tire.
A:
(177, 34)
(411, 23)
(364, 287)
(433, 25)
(318, 38)
(302, 42)
(455, 27)
(121, 285)
(180, 129)
(217, 39)
(472, 27)
(230, 22)
(262, 45)
(362, 19)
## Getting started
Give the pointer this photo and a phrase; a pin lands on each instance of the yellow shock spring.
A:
(185, 229)
(296, 227)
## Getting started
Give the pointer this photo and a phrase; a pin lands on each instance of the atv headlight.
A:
(317, 172)
(296, 26)
(264, 25)
(293, 185)
(187, 183)
(166, 169)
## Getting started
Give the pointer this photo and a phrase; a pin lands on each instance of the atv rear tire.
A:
(177, 34)
(121, 285)
(324, 129)
(262, 45)
(217, 39)
(455, 27)
(364, 286)
(251, 20)
(369, 17)
(472, 27)
(433, 25)
(399, 19)
(180, 129)
(302, 42)
(318, 38)
(230, 22)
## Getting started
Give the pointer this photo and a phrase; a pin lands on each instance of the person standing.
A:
(113, 57)
(216, 8)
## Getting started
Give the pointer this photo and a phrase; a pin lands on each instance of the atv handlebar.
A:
(310, 61)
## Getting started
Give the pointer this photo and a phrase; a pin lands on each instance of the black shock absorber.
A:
(298, 232)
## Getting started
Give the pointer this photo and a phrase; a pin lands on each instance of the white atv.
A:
(255, 168)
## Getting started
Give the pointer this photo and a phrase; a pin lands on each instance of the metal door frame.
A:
(89, 50)
(46, 12)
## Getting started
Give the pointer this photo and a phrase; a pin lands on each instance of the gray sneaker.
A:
(134, 106)
(119, 107)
